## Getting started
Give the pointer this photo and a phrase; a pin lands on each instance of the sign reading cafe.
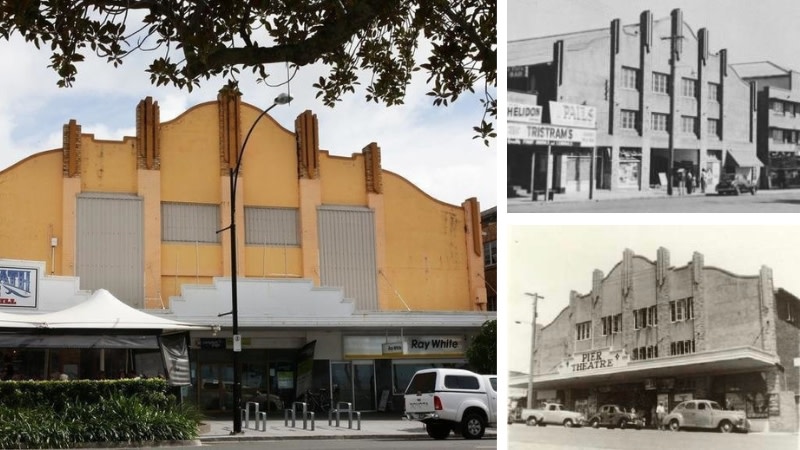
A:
(586, 363)
(18, 286)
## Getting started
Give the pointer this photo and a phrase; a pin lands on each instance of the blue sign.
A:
(18, 287)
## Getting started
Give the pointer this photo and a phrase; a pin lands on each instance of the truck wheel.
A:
(472, 426)
(438, 430)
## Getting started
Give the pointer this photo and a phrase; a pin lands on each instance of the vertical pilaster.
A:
(664, 272)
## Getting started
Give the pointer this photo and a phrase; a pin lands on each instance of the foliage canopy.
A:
(193, 40)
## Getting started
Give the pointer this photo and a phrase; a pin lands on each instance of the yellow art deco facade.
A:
(427, 254)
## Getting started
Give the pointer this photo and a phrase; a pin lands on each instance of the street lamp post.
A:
(536, 297)
(282, 99)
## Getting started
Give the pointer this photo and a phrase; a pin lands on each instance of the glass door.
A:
(354, 382)
(364, 385)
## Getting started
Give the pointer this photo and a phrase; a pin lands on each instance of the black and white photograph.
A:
(651, 106)
(664, 335)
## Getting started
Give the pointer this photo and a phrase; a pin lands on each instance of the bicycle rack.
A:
(257, 416)
(347, 407)
(306, 415)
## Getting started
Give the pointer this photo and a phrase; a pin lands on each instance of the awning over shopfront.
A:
(739, 359)
(743, 158)
(101, 311)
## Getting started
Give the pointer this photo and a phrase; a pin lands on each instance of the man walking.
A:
(660, 413)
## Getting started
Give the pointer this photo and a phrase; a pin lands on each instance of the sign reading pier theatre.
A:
(19, 286)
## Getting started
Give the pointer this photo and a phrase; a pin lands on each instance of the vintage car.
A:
(735, 184)
(613, 416)
(705, 414)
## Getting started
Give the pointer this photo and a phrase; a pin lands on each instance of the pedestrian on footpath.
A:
(660, 413)
(689, 182)
(703, 180)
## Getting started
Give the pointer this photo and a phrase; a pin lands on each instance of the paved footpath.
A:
(373, 426)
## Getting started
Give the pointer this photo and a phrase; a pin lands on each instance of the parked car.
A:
(554, 414)
(612, 416)
(705, 414)
(735, 184)
(448, 400)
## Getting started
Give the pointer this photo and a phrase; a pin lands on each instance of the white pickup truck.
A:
(552, 413)
(452, 400)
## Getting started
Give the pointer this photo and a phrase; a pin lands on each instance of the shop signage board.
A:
(572, 115)
(19, 286)
(581, 364)
(544, 134)
(523, 108)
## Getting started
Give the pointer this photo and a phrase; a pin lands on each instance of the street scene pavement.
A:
(373, 426)
(775, 201)
(552, 437)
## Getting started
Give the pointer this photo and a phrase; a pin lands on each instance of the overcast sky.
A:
(431, 147)
(554, 260)
(763, 30)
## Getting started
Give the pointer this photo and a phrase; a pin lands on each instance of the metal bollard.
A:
(263, 417)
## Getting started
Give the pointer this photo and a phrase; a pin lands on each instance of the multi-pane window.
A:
(639, 318)
(612, 324)
(659, 121)
(713, 127)
(652, 316)
(688, 124)
(629, 78)
(660, 83)
(713, 92)
(628, 119)
(688, 87)
(490, 253)
(681, 347)
(649, 352)
(583, 331)
(680, 310)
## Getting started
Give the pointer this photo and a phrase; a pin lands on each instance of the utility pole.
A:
(536, 298)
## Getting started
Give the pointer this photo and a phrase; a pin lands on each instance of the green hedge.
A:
(60, 414)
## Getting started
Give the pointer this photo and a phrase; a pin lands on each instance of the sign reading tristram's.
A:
(571, 115)
(18, 286)
(549, 134)
(589, 362)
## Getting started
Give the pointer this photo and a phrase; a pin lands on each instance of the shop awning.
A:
(101, 311)
(744, 158)
(704, 363)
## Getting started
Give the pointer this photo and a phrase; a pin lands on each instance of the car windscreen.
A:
(424, 383)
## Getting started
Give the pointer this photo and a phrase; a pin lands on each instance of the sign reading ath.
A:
(18, 286)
